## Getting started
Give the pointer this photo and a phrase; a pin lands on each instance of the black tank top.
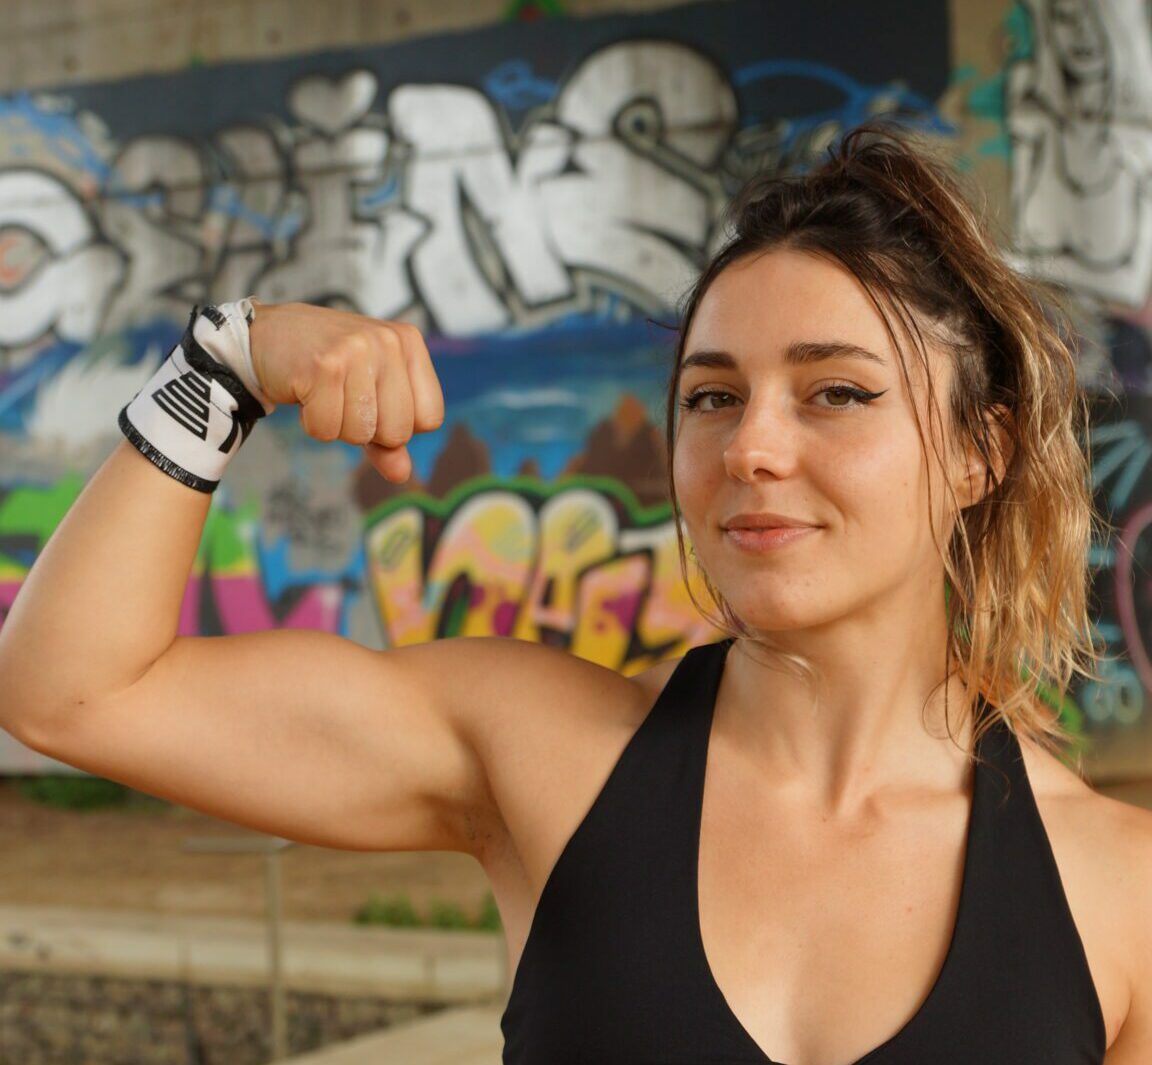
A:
(614, 971)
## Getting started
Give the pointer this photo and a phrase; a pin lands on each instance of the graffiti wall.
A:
(1079, 107)
(536, 197)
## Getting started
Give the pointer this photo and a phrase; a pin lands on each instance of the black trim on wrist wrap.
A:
(248, 409)
(161, 460)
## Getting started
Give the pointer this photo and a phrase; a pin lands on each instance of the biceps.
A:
(302, 734)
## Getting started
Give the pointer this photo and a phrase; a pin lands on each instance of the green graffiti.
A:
(36, 511)
(1071, 716)
(441, 508)
(1020, 32)
(225, 544)
(529, 10)
(986, 96)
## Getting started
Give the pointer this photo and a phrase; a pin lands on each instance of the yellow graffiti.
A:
(581, 566)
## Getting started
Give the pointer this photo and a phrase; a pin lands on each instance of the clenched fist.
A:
(357, 379)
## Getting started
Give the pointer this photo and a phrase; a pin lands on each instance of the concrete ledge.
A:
(466, 1036)
(397, 964)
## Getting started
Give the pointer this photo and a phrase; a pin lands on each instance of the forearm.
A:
(102, 601)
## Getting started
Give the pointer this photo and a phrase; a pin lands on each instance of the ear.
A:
(972, 481)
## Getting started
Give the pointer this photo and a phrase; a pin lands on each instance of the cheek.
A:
(689, 470)
(880, 482)
(696, 485)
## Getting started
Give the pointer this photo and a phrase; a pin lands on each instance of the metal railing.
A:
(271, 847)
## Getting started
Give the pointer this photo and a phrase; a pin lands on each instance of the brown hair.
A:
(1016, 565)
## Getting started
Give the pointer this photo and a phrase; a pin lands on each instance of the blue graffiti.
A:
(859, 102)
(373, 198)
(18, 387)
(515, 86)
(227, 201)
(61, 134)
(279, 577)
(140, 200)
(1126, 452)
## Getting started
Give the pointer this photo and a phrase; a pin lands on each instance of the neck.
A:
(873, 719)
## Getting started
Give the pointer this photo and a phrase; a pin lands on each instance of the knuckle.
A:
(383, 337)
(430, 422)
(397, 430)
(407, 332)
(353, 348)
(393, 438)
(330, 363)
(363, 340)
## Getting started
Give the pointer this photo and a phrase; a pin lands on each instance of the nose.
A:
(763, 442)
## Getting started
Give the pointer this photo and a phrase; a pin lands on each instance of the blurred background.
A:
(534, 184)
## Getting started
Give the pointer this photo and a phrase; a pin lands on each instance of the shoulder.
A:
(1103, 849)
(1116, 833)
(490, 682)
(651, 681)
(529, 708)
(546, 726)
(1112, 837)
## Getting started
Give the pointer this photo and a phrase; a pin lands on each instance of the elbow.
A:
(32, 725)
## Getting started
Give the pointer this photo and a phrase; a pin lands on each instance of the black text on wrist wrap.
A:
(194, 413)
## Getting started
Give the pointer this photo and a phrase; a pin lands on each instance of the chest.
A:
(677, 911)
(802, 920)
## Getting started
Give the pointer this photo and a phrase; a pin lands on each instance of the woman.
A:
(874, 453)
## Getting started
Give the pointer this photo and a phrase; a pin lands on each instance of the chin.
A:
(784, 618)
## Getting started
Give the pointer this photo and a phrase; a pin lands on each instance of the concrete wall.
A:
(530, 187)
(47, 43)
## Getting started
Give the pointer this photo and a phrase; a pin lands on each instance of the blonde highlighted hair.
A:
(1016, 566)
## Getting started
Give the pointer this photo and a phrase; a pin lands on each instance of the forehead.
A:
(761, 305)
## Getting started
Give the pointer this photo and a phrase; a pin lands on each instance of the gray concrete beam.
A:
(402, 965)
(467, 1036)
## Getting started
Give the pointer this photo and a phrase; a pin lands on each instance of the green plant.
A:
(73, 792)
(396, 911)
(489, 918)
(447, 915)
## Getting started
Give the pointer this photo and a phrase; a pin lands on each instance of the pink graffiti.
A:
(624, 608)
(242, 606)
(8, 590)
(504, 618)
(1126, 606)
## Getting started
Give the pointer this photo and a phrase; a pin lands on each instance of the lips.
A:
(765, 521)
(767, 538)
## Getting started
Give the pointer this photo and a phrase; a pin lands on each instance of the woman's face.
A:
(781, 358)
(1079, 39)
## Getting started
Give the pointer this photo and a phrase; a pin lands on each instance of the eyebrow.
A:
(798, 353)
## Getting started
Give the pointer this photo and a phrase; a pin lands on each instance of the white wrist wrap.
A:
(229, 343)
(196, 411)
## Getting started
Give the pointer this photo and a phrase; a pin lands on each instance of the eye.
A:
(840, 397)
(693, 401)
(846, 397)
